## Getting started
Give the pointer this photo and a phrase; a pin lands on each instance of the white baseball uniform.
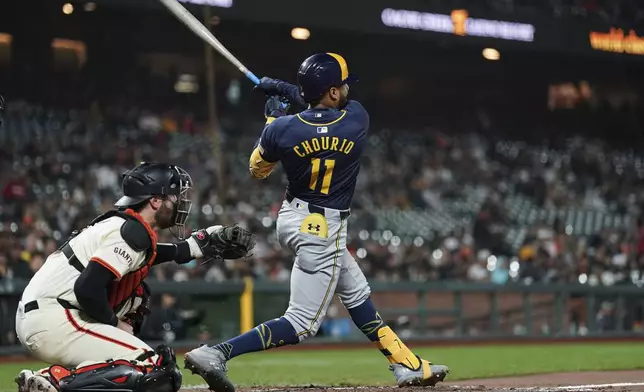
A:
(69, 337)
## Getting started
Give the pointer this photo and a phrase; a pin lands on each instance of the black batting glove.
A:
(276, 106)
(290, 92)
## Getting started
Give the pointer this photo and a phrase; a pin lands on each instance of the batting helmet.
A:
(320, 72)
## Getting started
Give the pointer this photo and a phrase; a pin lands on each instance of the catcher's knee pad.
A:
(165, 368)
(165, 378)
(122, 376)
(165, 356)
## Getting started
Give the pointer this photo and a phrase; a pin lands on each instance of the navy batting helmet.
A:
(320, 72)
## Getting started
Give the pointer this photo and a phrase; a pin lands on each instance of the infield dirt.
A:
(615, 381)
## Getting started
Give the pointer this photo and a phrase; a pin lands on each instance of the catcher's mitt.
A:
(226, 243)
(232, 243)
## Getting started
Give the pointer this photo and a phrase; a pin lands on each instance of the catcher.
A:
(82, 309)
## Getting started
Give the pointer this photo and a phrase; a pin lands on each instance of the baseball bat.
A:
(202, 31)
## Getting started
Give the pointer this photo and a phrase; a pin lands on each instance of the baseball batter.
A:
(82, 309)
(320, 150)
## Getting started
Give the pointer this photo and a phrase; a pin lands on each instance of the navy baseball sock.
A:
(273, 333)
(366, 318)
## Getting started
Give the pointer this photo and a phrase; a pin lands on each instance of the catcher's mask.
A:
(182, 205)
(169, 182)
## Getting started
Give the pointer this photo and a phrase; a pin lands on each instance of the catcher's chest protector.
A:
(141, 238)
(129, 283)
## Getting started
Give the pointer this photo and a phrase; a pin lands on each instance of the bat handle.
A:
(255, 80)
(251, 76)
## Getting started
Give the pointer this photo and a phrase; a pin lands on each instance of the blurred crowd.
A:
(428, 205)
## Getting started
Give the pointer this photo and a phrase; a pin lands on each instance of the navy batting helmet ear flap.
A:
(320, 72)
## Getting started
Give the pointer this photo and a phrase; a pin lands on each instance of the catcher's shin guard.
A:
(165, 368)
(122, 376)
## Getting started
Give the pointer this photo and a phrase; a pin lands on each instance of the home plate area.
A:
(615, 381)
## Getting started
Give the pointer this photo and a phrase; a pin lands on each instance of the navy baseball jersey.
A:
(320, 150)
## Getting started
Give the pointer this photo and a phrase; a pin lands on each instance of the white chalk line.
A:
(578, 388)
(589, 387)
(599, 386)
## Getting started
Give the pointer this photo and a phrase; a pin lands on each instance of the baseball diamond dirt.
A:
(615, 381)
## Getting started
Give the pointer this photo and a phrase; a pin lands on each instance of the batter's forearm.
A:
(179, 253)
(91, 293)
(258, 167)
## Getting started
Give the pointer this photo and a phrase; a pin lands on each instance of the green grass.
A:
(369, 367)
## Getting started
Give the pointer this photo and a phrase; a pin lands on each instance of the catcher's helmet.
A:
(149, 180)
(320, 72)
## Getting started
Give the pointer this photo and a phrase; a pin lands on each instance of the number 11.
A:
(329, 164)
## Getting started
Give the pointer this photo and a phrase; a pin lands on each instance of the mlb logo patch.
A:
(323, 130)
(318, 115)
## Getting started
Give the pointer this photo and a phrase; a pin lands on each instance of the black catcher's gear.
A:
(121, 375)
(149, 180)
(227, 243)
(232, 242)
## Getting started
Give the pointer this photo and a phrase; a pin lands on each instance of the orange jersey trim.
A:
(73, 322)
(106, 265)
